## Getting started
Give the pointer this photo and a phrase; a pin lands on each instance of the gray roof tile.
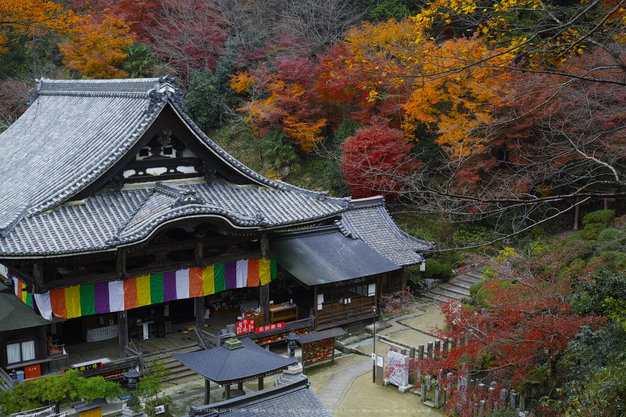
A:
(74, 131)
(368, 220)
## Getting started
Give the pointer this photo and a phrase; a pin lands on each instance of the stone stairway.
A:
(455, 289)
(176, 372)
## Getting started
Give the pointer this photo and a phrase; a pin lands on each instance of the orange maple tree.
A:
(285, 100)
(99, 48)
(33, 16)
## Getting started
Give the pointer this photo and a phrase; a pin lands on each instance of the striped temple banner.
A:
(114, 296)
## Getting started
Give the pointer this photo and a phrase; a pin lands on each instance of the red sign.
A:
(270, 327)
(245, 326)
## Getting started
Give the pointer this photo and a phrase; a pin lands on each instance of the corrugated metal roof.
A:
(317, 258)
(368, 220)
(223, 365)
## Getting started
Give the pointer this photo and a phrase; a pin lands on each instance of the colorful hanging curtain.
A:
(21, 293)
(108, 297)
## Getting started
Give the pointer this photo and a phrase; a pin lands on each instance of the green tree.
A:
(56, 389)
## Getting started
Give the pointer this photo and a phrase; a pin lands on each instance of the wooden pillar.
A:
(38, 286)
(121, 264)
(122, 332)
(198, 304)
(199, 254)
(264, 290)
(240, 385)
(315, 305)
(207, 391)
(227, 391)
(41, 349)
(260, 382)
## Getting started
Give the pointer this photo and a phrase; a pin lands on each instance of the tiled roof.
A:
(108, 219)
(223, 365)
(292, 399)
(74, 131)
(64, 142)
(368, 220)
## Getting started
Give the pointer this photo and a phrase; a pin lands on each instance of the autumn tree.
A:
(189, 34)
(284, 100)
(374, 159)
(520, 327)
(99, 49)
(34, 16)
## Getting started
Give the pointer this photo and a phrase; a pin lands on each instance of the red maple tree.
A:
(374, 160)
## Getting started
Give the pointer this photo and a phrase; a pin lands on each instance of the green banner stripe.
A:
(87, 300)
(219, 271)
(156, 288)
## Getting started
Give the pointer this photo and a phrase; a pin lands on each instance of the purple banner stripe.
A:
(101, 297)
(169, 286)
(231, 275)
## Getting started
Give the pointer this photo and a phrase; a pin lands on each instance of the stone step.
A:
(435, 297)
(474, 274)
(441, 292)
(449, 286)
(466, 279)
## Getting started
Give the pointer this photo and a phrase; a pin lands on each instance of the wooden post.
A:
(199, 254)
(240, 385)
(227, 391)
(315, 304)
(264, 290)
(121, 264)
(260, 382)
(38, 278)
(198, 304)
(122, 332)
(207, 391)
(332, 358)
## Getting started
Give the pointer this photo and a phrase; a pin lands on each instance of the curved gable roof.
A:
(77, 130)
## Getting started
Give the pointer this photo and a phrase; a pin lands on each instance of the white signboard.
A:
(398, 369)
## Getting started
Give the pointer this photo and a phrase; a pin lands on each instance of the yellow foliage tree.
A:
(431, 82)
(99, 48)
(34, 16)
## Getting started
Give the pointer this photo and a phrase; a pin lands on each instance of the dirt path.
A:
(363, 396)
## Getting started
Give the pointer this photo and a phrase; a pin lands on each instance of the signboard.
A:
(88, 366)
(244, 326)
(270, 327)
(159, 409)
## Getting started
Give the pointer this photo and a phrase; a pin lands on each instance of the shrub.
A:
(446, 271)
(611, 239)
(475, 287)
(433, 267)
(600, 216)
(591, 231)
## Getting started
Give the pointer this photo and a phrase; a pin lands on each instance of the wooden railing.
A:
(335, 313)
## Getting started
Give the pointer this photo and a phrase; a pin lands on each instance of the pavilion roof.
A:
(224, 365)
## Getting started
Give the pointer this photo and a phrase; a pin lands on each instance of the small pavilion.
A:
(234, 362)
